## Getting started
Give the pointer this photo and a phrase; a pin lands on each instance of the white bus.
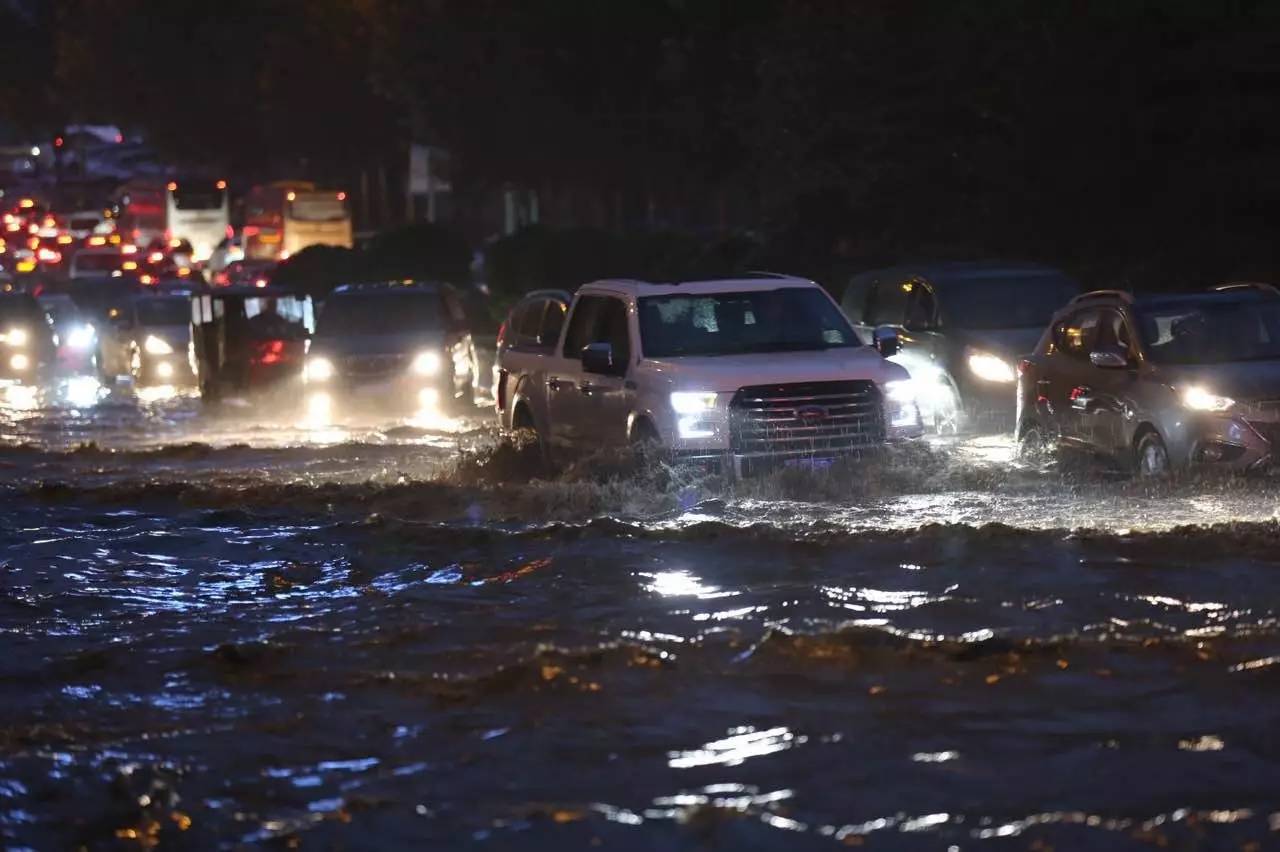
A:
(192, 210)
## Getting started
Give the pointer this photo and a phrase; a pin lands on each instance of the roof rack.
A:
(1256, 286)
(1099, 295)
(764, 273)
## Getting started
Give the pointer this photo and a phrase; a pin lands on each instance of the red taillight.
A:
(502, 332)
(270, 352)
(119, 138)
(231, 233)
(1024, 366)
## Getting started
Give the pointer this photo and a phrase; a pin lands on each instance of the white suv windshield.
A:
(790, 319)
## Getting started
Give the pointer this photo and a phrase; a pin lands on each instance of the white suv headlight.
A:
(427, 363)
(156, 346)
(693, 402)
(990, 368)
(16, 337)
(1198, 399)
(318, 370)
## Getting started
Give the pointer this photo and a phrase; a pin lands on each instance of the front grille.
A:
(815, 418)
(365, 366)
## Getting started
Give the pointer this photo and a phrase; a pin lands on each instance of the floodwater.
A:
(218, 634)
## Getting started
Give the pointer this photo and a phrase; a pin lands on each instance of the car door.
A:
(1069, 384)
(606, 397)
(564, 374)
(1100, 402)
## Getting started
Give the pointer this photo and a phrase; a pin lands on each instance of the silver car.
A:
(1159, 383)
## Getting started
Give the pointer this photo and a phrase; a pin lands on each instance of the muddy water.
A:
(382, 635)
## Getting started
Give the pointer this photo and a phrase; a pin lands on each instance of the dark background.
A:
(1133, 143)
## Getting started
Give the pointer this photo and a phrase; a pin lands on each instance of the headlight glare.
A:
(990, 368)
(427, 363)
(693, 402)
(80, 337)
(319, 369)
(157, 346)
(17, 337)
(1199, 399)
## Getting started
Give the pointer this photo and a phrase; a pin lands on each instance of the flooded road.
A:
(394, 634)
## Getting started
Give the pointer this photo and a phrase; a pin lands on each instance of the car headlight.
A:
(1198, 399)
(693, 402)
(427, 363)
(902, 407)
(17, 337)
(80, 337)
(318, 370)
(156, 346)
(19, 362)
(990, 368)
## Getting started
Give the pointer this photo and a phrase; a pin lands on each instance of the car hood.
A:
(727, 373)
(1008, 342)
(376, 344)
(1250, 381)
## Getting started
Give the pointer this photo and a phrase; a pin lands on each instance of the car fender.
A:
(521, 394)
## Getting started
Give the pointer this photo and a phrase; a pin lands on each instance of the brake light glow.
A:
(119, 138)
(222, 184)
(342, 196)
(172, 187)
(128, 248)
(155, 257)
(291, 196)
(26, 203)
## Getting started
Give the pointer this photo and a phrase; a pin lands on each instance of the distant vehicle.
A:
(229, 250)
(283, 218)
(742, 373)
(963, 328)
(194, 210)
(245, 273)
(149, 341)
(395, 344)
(532, 327)
(248, 341)
(1159, 383)
(122, 261)
(77, 337)
(28, 353)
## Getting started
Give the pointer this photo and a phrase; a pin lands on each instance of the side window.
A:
(612, 328)
(528, 321)
(581, 325)
(454, 307)
(552, 322)
(922, 309)
(1078, 334)
(887, 302)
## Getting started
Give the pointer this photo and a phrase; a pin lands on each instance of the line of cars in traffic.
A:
(741, 373)
(766, 369)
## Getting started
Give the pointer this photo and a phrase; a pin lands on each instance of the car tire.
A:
(646, 443)
(1034, 443)
(523, 427)
(1151, 457)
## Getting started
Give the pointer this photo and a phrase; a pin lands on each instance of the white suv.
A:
(743, 370)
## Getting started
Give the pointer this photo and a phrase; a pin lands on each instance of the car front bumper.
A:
(1237, 443)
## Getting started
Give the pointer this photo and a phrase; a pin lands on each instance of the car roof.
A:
(389, 288)
(244, 291)
(957, 273)
(749, 283)
(1171, 300)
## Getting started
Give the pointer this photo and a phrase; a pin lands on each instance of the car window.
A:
(528, 320)
(552, 322)
(1077, 334)
(1113, 332)
(922, 307)
(887, 302)
(611, 328)
(581, 325)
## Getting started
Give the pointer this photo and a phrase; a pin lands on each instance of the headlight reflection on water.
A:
(681, 583)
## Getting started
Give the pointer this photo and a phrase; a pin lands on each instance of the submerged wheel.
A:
(646, 443)
(1152, 457)
(1033, 443)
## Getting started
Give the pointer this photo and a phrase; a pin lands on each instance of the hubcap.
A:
(1154, 460)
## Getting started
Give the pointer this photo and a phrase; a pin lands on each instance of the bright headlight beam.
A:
(319, 369)
(80, 337)
(991, 368)
(427, 363)
(157, 346)
(17, 337)
(693, 402)
(1199, 399)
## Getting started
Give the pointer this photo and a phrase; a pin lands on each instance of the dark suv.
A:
(962, 327)
(1159, 382)
(402, 345)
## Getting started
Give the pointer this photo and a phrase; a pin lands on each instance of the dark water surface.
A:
(219, 636)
